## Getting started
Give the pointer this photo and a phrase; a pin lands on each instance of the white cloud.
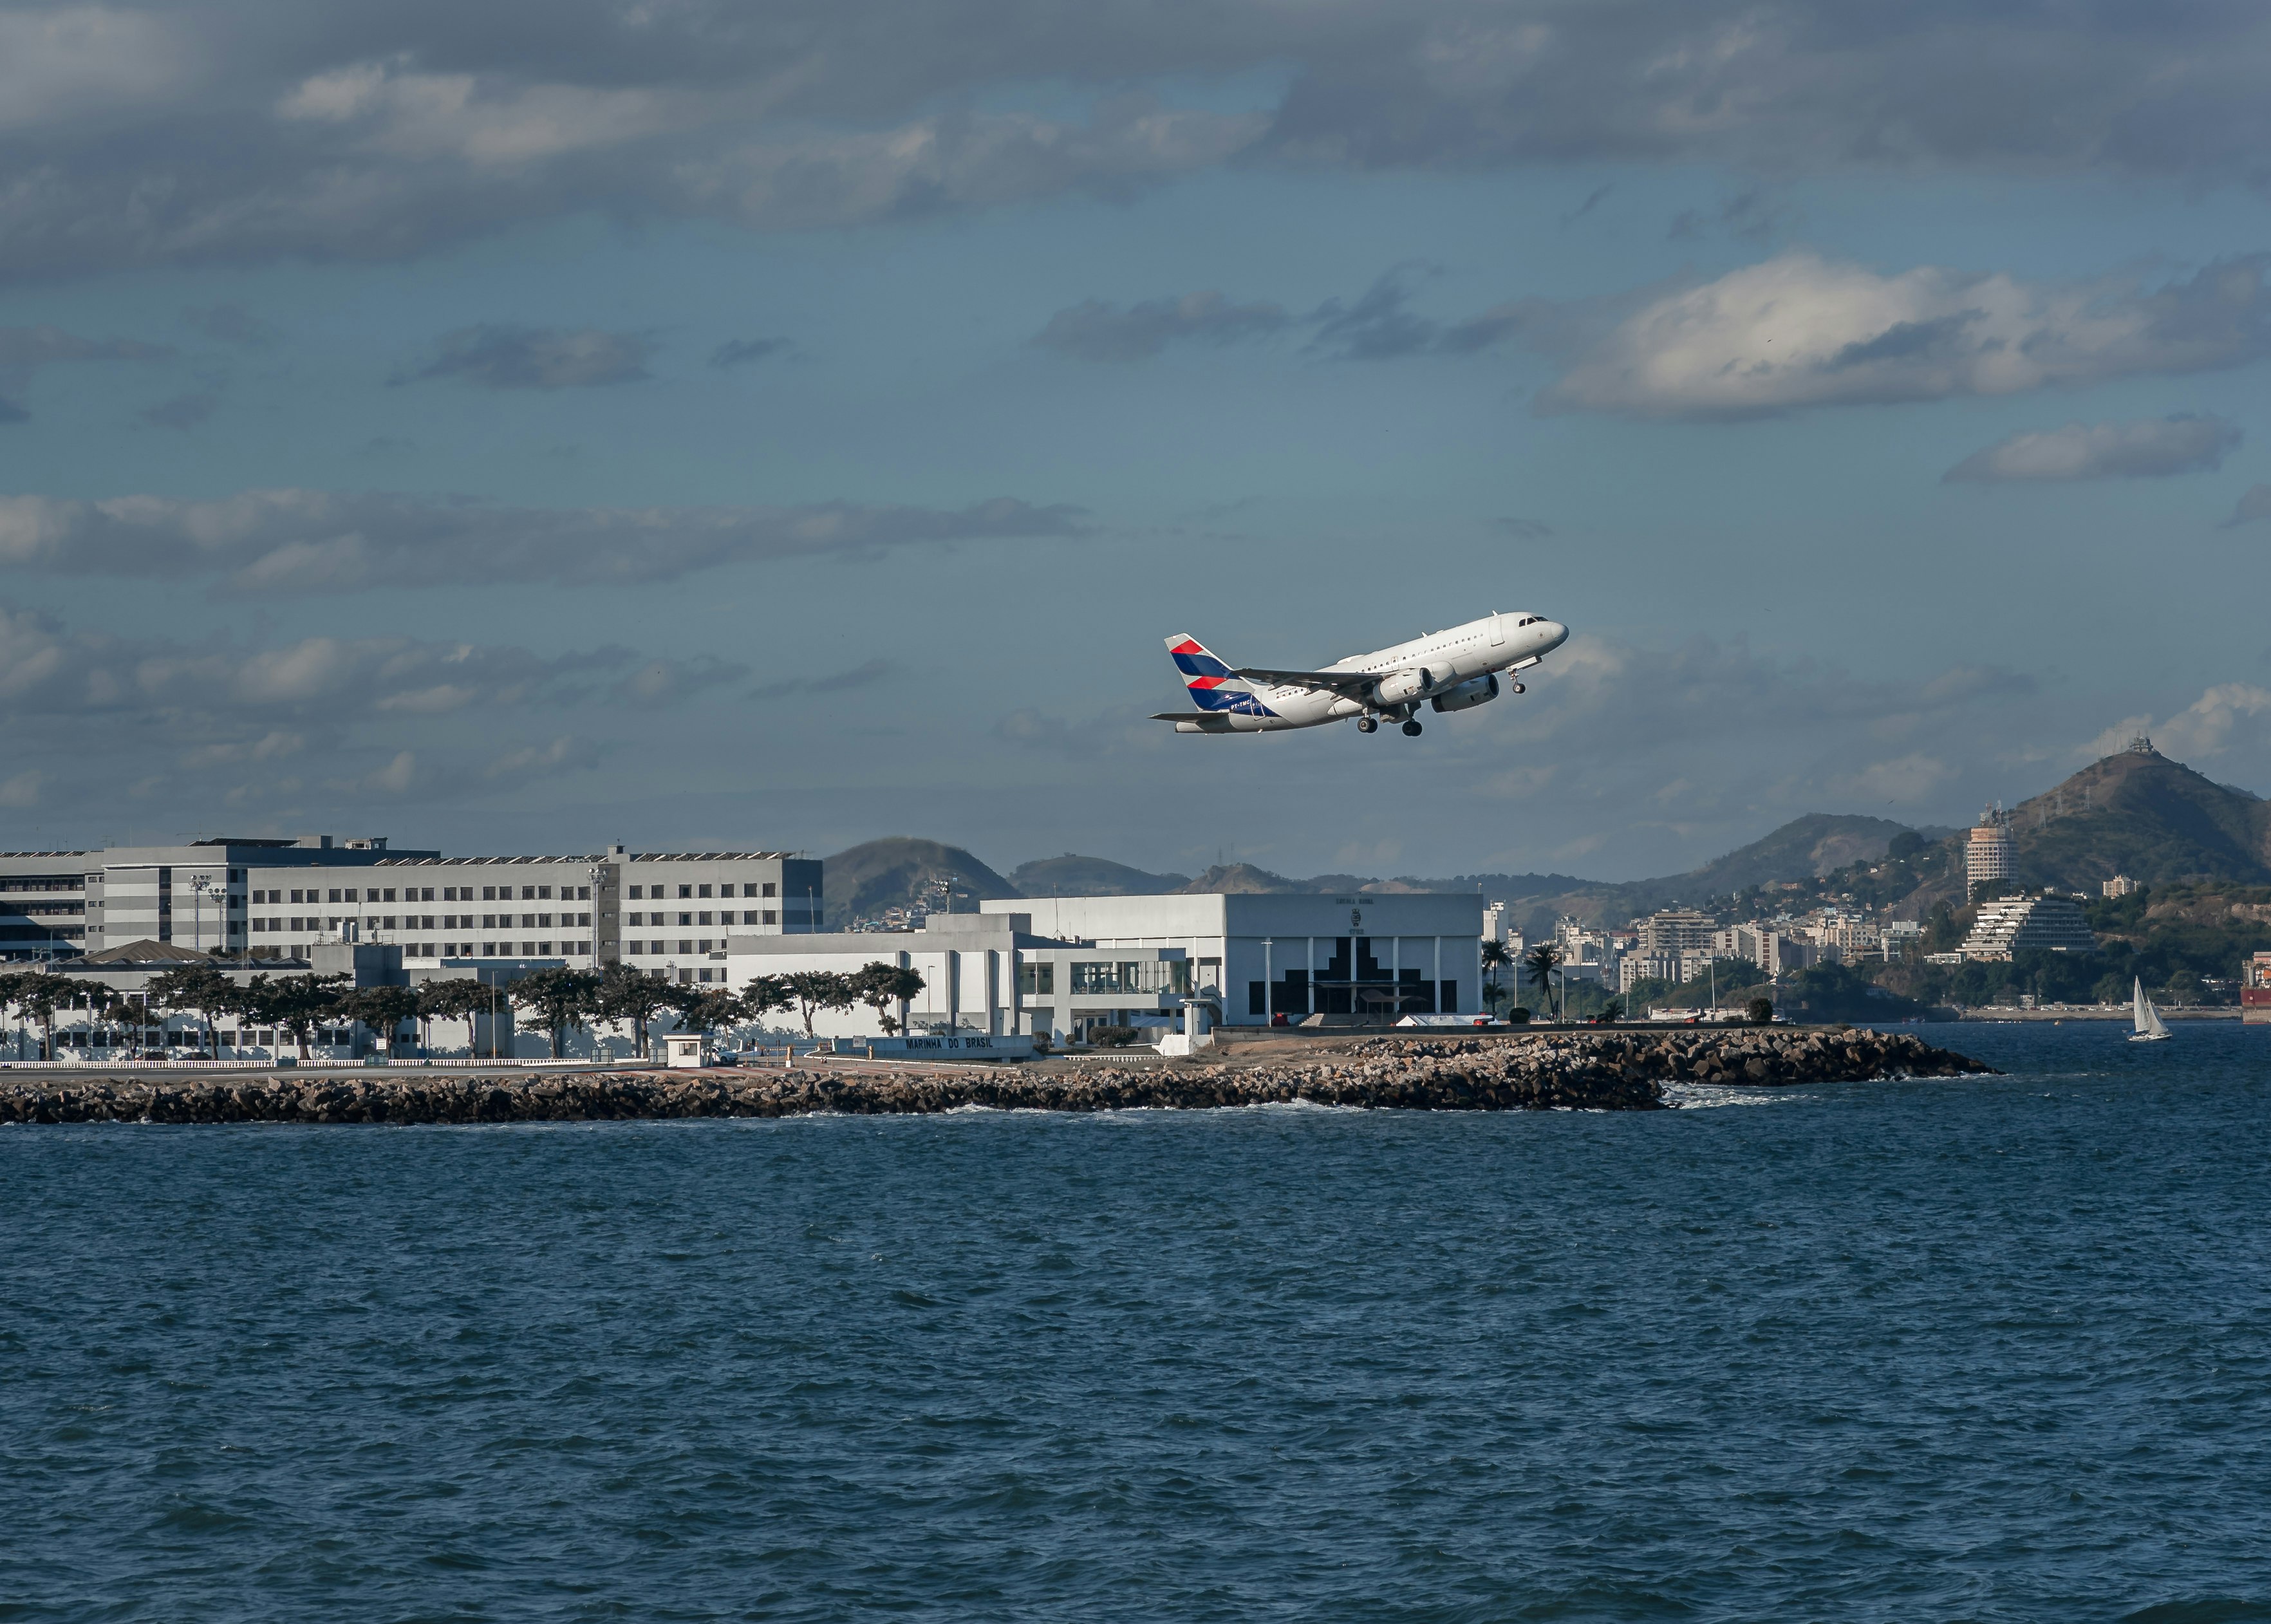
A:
(488, 123)
(1802, 331)
(65, 65)
(316, 541)
(227, 130)
(2157, 446)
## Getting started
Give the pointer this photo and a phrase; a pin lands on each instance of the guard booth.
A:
(688, 1048)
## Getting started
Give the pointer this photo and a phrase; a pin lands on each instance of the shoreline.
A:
(1571, 1071)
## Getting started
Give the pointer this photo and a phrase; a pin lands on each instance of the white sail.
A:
(2147, 1018)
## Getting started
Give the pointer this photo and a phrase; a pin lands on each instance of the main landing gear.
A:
(1517, 689)
(1412, 729)
(1366, 724)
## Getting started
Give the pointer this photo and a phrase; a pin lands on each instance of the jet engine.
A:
(1400, 687)
(1467, 695)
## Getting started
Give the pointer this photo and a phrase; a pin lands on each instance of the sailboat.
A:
(2149, 1029)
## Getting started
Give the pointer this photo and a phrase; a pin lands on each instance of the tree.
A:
(39, 996)
(200, 987)
(813, 990)
(297, 1003)
(1495, 959)
(561, 998)
(1761, 1009)
(764, 994)
(633, 995)
(14, 984)
(458, 998)
(1541, 962)
(381, 1009)
(710, 1009)
(879, 985)
(1609, 1013)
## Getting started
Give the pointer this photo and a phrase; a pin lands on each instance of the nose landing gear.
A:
(1519, 688)
(1412, 729)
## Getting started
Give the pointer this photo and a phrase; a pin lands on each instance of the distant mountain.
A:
(1243, 879)
(2142, 814)
(862, 882)
(1091, 876)
(1805, 848)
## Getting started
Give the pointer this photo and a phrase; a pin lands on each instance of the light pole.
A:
(198, 887)
(1268, 1009)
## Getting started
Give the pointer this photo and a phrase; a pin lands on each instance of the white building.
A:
(2004, 927)
(666, 912)
(982, 973)
(1987, 853)
(1370, 954)
(55, 904)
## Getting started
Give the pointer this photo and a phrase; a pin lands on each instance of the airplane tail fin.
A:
(1211, 685)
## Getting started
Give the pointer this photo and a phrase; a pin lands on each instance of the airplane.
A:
(1453, 670)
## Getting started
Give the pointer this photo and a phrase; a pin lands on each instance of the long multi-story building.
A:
(59, 905)
(659, 911)
(279, 899)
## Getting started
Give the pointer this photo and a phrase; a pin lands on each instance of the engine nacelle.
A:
(1467, 695)
(1401, 687)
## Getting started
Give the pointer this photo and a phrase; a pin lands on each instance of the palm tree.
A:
(1494, 959)
(1541, 962)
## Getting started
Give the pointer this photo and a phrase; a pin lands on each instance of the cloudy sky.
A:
(690, 423)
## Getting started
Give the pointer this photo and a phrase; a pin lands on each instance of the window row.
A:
(723, 916)
(413, 893)
(751, 889)
(686, 946)
(418, 922)
(498, 949)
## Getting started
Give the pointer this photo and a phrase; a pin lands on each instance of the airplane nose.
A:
(1557, 634)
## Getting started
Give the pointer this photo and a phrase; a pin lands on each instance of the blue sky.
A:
(695, 425)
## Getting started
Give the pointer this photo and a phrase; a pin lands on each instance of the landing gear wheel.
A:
(1519, 688)
(1366, 724)
(1412, 729)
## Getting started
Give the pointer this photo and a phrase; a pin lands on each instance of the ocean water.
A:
(1982, 1350)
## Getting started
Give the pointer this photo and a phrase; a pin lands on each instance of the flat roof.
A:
(594, 857)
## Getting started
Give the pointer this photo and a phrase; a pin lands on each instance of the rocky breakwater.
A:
(1611, 1072)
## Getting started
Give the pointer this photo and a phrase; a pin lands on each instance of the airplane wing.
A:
(1348, 684)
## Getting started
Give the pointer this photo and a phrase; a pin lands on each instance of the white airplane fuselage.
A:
(1446, 671)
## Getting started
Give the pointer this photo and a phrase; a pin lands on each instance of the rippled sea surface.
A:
(1994, 1349)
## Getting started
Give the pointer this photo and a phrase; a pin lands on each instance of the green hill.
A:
(1091, 876)
(2142, 814)
(862, 882)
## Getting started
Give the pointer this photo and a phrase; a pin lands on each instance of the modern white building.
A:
(1261, 956)
(985, 973)
(2004, 927)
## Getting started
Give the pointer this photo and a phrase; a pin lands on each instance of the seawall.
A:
(1574, 1071)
